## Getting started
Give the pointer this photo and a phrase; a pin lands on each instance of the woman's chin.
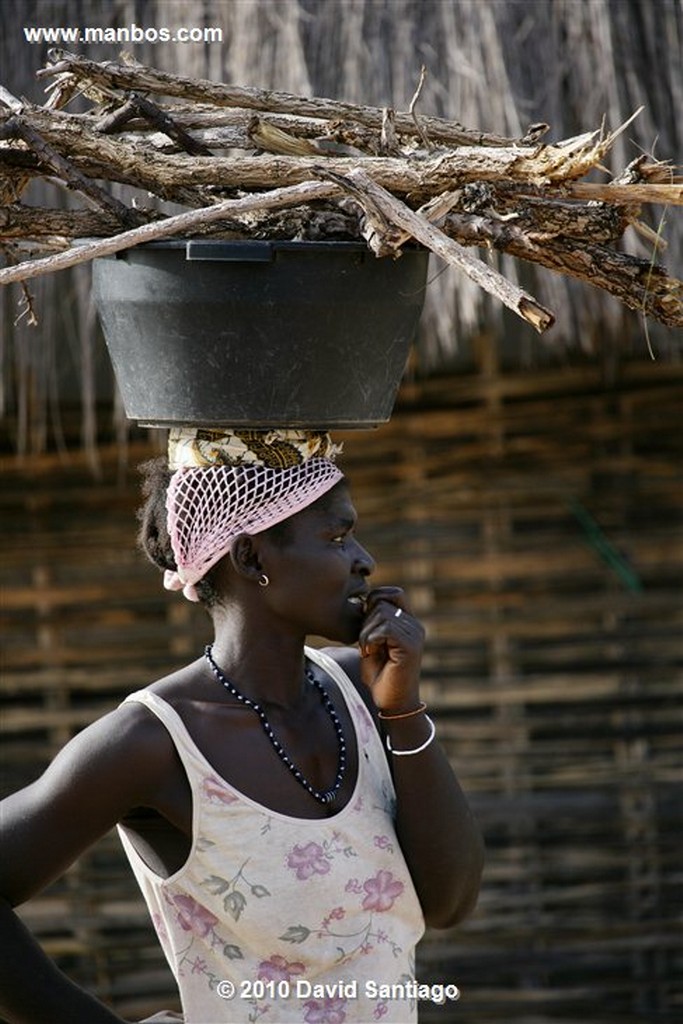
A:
(346, 633)
(352, 633)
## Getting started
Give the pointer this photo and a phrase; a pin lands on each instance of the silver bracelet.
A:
(418, 750)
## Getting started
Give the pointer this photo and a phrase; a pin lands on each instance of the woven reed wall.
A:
(535, 518)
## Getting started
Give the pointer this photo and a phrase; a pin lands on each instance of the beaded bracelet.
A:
(406, 714)
(417, 750)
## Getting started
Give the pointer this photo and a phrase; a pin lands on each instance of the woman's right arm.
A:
(106, 770)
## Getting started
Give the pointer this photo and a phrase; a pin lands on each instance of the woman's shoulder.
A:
(184, 682)
(131, 732)
(128, 733)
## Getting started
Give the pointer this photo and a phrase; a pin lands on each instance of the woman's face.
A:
(318, 572)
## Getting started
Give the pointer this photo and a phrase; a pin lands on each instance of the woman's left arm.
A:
(439, 837)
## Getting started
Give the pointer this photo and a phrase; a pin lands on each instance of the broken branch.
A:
(441, 245)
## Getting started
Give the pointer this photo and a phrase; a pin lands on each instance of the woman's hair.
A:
(153, 536)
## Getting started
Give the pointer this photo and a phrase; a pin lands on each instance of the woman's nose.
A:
(364, 563)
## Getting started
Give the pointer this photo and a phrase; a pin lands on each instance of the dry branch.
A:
(667, 195)
(244, 162)
(18, 222)
(112, 77)
(135, 163)
(641, 285)
(417, 226)
(183, 222)
(17, 127)
(156, 117)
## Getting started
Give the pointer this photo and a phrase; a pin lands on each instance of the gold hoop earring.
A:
(263, 580)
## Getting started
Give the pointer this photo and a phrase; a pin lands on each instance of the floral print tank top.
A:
(275, 919)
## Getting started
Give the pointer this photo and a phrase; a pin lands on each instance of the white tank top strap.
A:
(334, 669)
(369, 739)
(188, 752)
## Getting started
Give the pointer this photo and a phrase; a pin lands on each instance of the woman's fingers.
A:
(392, 595)
(389, 621)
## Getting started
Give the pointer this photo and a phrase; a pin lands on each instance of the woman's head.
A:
(219, 485)
(316, 569)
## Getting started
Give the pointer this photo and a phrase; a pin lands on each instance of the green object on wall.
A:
(607, 551)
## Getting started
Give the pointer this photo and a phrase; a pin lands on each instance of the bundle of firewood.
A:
(249, 163)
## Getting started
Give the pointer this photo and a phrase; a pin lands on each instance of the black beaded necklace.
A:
(327, 796)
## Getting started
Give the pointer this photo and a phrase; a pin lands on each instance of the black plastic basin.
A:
(311, 334)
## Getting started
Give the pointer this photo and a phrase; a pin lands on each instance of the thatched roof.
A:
(495, 66)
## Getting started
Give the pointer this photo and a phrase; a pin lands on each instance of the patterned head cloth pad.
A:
(240, 481)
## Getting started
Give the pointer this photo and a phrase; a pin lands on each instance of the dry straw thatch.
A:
(499, 67)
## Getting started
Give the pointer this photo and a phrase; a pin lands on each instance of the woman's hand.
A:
(391, 641)
(438, 835)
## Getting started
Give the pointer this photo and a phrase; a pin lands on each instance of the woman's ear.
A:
(244, 557)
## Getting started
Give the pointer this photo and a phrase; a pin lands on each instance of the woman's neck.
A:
(264, 664)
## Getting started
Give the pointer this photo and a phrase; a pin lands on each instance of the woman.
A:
(288, 813)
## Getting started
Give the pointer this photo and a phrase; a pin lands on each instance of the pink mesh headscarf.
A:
(227, 483)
